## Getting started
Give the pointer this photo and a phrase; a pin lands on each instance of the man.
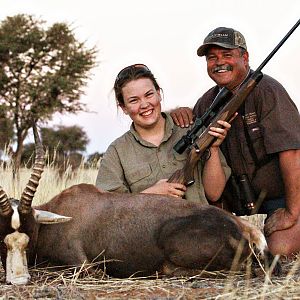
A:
(263, 144)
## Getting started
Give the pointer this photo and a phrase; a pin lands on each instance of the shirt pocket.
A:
(137, 174)
(257, 142)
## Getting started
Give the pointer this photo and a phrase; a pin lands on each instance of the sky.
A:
(164, 35)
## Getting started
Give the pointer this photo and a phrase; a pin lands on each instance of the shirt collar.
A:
(169, 125)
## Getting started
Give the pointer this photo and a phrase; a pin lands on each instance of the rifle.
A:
(224, 106)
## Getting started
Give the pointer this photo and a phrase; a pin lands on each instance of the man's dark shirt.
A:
(276, 128)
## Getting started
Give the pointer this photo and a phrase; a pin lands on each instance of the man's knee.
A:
(276, 247)
(280, 243)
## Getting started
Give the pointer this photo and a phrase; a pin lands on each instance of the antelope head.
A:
(17, 220)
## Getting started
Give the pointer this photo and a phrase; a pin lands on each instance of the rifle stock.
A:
(186, 174)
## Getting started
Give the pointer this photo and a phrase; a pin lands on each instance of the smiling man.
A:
(227, 57)
(263, 145)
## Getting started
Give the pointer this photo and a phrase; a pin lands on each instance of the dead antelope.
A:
(141, 234)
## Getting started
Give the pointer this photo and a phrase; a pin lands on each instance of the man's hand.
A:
(166, 188)
(182, 116)
(219, 133)
(281, 219)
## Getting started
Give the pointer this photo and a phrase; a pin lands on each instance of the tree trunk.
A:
(17, 155)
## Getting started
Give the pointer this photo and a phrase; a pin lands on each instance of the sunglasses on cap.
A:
(124, 72)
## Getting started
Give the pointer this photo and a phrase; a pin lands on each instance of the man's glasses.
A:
(124, 72)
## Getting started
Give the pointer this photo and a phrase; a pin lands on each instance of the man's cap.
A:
(224, 37)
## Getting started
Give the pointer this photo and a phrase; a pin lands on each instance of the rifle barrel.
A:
(278, 46)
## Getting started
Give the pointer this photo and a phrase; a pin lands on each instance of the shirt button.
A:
(163, 166)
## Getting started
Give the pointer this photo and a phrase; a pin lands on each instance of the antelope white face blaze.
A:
(15, 219)
(16, 261)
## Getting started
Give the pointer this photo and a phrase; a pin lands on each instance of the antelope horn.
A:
(5, 207)
(38, 168)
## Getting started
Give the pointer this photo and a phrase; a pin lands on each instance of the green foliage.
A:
(94, 159)
(6, 130)
(64, 145)
(65, 139)
(28, 154)
(42, 71)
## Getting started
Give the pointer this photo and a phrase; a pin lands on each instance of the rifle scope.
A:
(188, 139)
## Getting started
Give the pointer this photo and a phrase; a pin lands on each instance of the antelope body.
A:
(137, 234)
(142, 234)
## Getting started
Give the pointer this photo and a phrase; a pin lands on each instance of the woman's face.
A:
(142, 102)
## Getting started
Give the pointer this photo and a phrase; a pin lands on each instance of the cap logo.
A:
(220, 35)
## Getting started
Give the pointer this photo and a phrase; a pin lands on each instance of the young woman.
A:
(141, 160)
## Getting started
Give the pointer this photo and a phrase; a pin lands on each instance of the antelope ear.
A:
(47, 217)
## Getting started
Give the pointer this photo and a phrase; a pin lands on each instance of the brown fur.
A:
(137, 234)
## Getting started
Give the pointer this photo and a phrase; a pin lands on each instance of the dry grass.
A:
(70, 284)
(51, 182)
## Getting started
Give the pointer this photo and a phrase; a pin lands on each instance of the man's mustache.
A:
(223, 67)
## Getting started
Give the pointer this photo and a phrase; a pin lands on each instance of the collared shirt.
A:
(132, 164)
(277, 130)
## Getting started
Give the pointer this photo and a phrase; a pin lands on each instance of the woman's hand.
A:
(166, 188)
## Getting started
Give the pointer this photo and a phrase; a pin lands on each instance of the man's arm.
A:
(182, 116)
(214, 177)
(285, 218)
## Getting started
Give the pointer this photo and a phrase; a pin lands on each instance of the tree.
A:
(65, 139)
(6, 130)
(28, 154)
(42, 71)
(65, 145)
(93, 159)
